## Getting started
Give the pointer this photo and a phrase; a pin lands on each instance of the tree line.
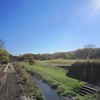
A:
(91, 53)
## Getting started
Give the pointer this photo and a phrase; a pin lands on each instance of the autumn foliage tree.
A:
(4, 55)
(31, 61)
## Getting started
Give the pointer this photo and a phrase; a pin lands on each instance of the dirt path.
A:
(11, 89)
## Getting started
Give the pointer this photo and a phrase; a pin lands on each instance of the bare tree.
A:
(2, 44)
(89, 50)
(89, 46)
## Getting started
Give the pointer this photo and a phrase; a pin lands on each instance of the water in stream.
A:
(48, 92)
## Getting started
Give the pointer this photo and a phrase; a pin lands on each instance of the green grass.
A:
(55, 75)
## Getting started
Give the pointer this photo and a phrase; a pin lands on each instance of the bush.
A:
(4, 56)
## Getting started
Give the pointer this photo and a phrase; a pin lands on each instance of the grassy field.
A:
(57, 76)
(60, 62)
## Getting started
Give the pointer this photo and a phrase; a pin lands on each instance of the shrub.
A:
(4, 56)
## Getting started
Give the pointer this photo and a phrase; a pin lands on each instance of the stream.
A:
(47, 91)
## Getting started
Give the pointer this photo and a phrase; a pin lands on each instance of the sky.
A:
(48, 26)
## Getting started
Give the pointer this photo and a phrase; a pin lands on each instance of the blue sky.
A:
(48, 26)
